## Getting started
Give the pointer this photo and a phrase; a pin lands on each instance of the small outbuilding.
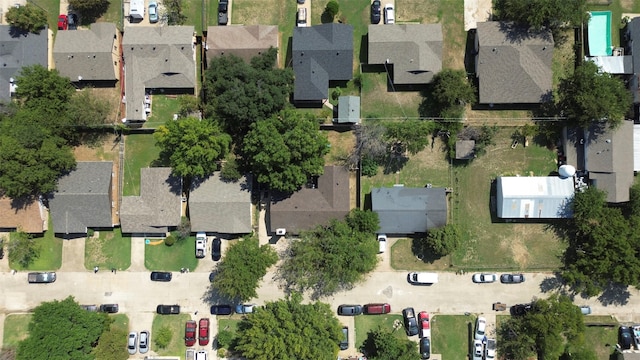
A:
(348, 110)
(465, 149)
(534, 197)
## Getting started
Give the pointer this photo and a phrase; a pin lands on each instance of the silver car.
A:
(144, 342)
(132, 344)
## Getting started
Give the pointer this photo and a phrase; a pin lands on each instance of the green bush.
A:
(184, 229)
(225, 337)
(332, 8)
(369, 166)
(230, 171)
(170, 240)
(163, 337)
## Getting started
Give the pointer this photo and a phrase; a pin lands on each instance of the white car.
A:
(484, 278)
(132, 344)
(490, 349)
(389, 14)
(382, 243)
(481, 328)
(477, 350)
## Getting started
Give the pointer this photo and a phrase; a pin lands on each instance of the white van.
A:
(389, 16)
(302, 17)
(422, 278)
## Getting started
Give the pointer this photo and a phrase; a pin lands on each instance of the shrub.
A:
(225, 337)
(170, 240)
(369, 166)
(184, 229)
(230, 171)
(163, 337)
(332, 8)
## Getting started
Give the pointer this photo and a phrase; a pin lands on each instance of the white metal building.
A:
(534, 197)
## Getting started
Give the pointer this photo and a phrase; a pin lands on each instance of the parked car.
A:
(223, 9)
(375, 12)
(389, 14)
(425, 324)
(344, 343)
(132, 343)
(477, 350)
(201, 355)
(625, 337)
(244, 308)
(201, 245)
(301, 2)
(375, 309)
(109, 308)
(143, 344)
(382, 243)
(410, 322)
(1, 248)
(484, 278)
(511, 278)
(221, 310)
(41, 277)
(153, 11)
(349, 310)
(190, 333)
(168, 309)
(89, 307)
(425, 348)
(72, 21)
(63, 22)
(216, 249)
(422, 278)
(585, 309)
(520, 309)
(301, 20)
(160, 276)
(481, 327)
(490, 349)
(203, 332)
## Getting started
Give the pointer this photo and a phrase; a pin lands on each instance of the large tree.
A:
(242, 268)
(284, 150)
(450, 92)
(90, 9)
(543, 13)
(193, 147)
(23, 249)
(288, 329)
(408, 136)
(239, 94)
(62, 330)
(439, 242)
(45, 90)
(29, 18)
(382, 344)
(110, 345)
(592, 95)
(333, 257)
(552, 326)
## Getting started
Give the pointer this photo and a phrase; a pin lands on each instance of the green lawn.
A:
(52, 8)
(228, 324)
(176, 324)
(110, 250)
(602, 339)
(450, 335)
(364, 324)
(121, 322)
(162, 109)
(140, 152)
(16, 328)
(50, 257)
(171, 258)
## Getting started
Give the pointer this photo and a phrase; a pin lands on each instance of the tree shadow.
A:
(552, 284)
(394, 163)
(422, 251)
(614, 294)
(326, 18)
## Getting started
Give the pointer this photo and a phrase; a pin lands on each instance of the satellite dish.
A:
(566, 171)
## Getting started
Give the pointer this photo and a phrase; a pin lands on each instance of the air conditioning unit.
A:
(281, 231)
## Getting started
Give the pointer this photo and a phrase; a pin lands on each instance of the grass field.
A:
(140, 152)
(162, 109)
(450, 335)
(364, 324)
(120, 322)
(50, 257)
(171, 258)
(176, 324)
(602, 339)
(110, 250)
(15, 329)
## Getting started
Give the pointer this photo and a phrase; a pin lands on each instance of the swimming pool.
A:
(599, 33)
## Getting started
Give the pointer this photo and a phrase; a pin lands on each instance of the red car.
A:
(190, 333)
(425, 326)
(63, 22)
(203, 338)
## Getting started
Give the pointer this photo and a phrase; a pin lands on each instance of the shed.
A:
(465, 149)
(403, 210)
(348, 110)
(534, 197)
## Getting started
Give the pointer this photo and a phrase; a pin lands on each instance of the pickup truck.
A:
(201, 245)
(191, 354)
(41, 277)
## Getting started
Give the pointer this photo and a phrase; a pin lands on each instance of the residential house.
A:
(158, 209)
(604, 155)
(89, 56)
(315, 204)
(403, 210)
(513, 63)
(632, 37)
(321, 54)
(412, 53)
(245, 42)
(534, 197)
(24, 214)
(348, 110)
(218, 206)
(83, 199)
(158, 59)
(17, 49)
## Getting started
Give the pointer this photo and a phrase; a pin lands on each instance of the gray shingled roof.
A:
(156, 57)
(89, 54)
(633, 34)
(83, 199)
(244, 42)
(18, 49)
(308, 208)
(403, 210)
(320, 54)
(349, 109)
(513, 64)
(223, 207)
(606, 154)
(158, 207)
(415, 50)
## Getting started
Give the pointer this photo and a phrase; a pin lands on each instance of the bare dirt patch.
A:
(423, 11)
(515, 244)
(112, 97)
(342, 144)
(249, 12)
(627, 5)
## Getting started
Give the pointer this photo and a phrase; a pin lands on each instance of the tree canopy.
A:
(62, 330)
(552, 326)
(90, 9)
(408, 135)
(284, 150)
(23, 249)
(241, 269)
(239, 94)
(333, 257)
(110, 345)
(28, 17)
(592, 95)
(288, 329)
(450, 92)
(192, 146)
(382, 344)
(442, 241)
(543, 13)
